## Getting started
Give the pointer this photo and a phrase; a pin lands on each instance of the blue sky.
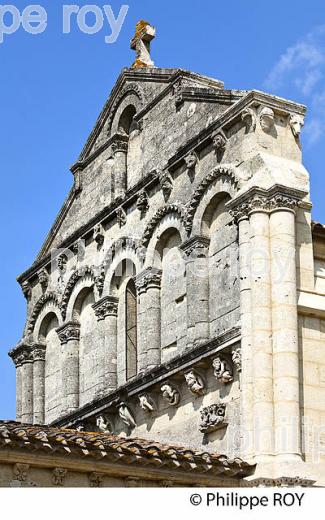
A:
(53, 86)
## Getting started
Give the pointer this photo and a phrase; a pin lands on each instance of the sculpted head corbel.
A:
(266, 119)
(195, 382)
(296, 123)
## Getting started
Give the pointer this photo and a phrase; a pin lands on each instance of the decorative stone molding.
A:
(103, 424)
(147, 403)
(159, 215)
(282, 482)
(99, 235)
(170, 394)
(105, 307)
(148, 279)
(132, 482)
(236, 358)
(69, 332)
(250, 119)
(96, 479)
(266, 117)
(58, 476)
(196, 247)
(222, 369)
(167, 484)
(195, 382)
(43, 279)
(21, 472)
(27, 290)
(212, 418)
(191, 161)
(121, 217)
(296, 123)
(46, 298)
(143, 202)
(75, 277)
(166, 183)
(225, 173)
(126, 415)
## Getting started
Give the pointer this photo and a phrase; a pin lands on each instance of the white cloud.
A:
(300, 70)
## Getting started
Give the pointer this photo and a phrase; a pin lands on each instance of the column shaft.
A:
(19, 389)
(285, 334)
(39, 386)
(246, 382)
(69, 336)
(120, 148)
(27, 392)
(262, 335)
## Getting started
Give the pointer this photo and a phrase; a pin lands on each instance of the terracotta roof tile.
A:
(129, 450)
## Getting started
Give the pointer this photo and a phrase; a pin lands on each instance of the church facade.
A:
(180, 295)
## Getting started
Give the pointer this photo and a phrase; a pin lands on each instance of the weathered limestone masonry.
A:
(180, 293)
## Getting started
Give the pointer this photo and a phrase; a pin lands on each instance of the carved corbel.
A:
(62, 262)
(103, 424)
(99, 235)
(266, 117)
(126, 415)
(121, 217)
(27, 290)
(79, 248)
(43, 279)
(219, 142)
(147, 403)
(222, 369)
(249, 118)
(170, 394)
(58, 476)
(166, 183)
(96, 479)
(143, 202)
(296, 123)
(236, 358)
(21, 472)
(191, 161)
(195, 382)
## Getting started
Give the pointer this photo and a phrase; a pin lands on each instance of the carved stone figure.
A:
(166, 183)
(266, 119)
(99, 235)
(121, 217)
(96, 479)
(62, 262)
(21, 472)
(58, 476)
(27, 290)
(103, 424)
(170, 394)
(43, 279)
(296, 124)
(249, 118)
(126, 415)
(195, 382)
(212, 418)
(219, 142)
(222, 370)
(146, 403)
(236, 358)
(191, 160)
(143, 202)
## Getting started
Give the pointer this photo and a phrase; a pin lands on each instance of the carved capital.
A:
(148, 279)
(105, 307)
(196, 247)
(120, 143)
(212, 418)
(69, 332)
(23, 353)
(39, 352)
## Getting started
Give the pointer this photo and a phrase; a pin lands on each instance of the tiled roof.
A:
(104, 446)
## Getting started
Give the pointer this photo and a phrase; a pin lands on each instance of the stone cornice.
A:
(69, 332)
(107, 306)
(149, 278)
(144, 381)
(258, 199)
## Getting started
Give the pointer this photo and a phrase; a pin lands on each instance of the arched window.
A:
(131, 329)
(127, 123)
